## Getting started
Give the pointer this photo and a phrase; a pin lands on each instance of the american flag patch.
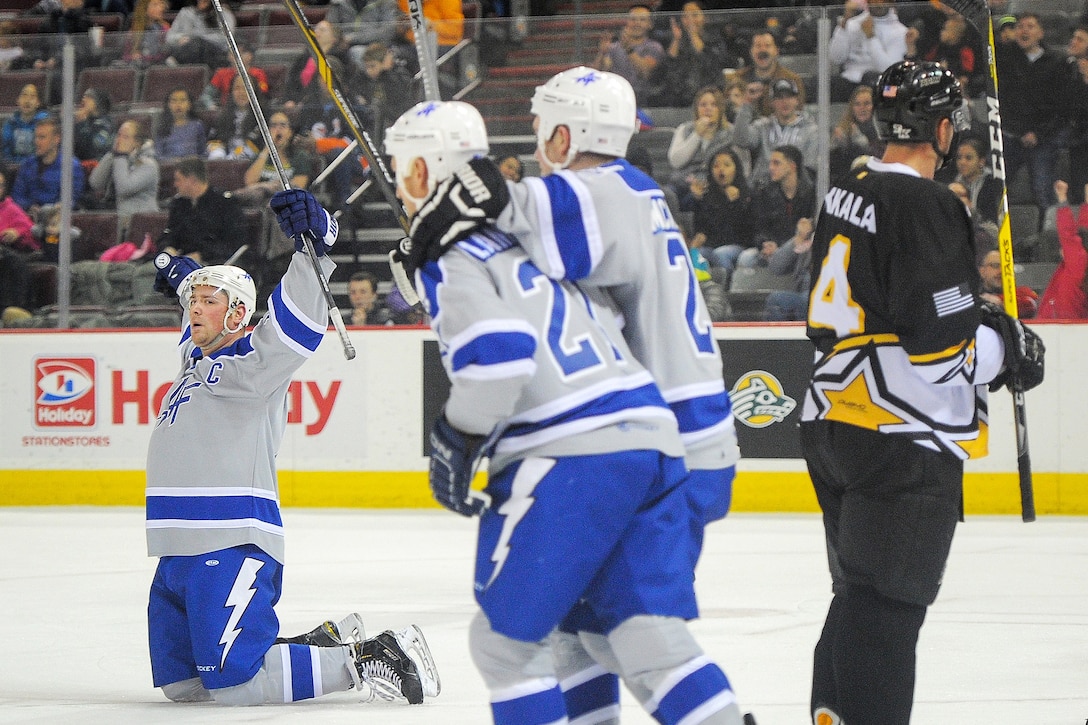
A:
(953, 300)
(890, 91)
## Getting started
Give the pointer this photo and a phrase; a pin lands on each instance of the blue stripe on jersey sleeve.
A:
(568, 225)
(213, 508)
(293, 327)
(707, 411)
(493, 348)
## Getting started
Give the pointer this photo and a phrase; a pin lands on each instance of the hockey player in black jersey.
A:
(897, 397)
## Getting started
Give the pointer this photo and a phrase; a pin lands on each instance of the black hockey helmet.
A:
(911, 98)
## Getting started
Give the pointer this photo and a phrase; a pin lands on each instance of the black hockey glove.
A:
(1024, 350)
(298, 213)
(172, 272)
(459, 205)
(454, 456)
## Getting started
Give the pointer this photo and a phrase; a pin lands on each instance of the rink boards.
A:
(78, 407)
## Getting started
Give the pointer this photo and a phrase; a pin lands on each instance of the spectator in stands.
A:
(37, 182)
(18, 132)
(633, 55)
(217, 91)
(694, 141)
(855, 133)
(179, 131)
(262, 179)
(720, 202)
(16, 246)
(694, 58)
(127, 176)
(958, 49)
(992, 288)
(973, 171)
(1004, 29)
(444, 18)
(146, 43)
(67, 21)
(1034, 108)
(363, 22)
(864, 43)
(794, 260)
(46, 232)
(1078, 111)
(195, 37)
(788, 124)
(766, 69)
(93, 132)
(304, 93)
(1066, 297)
(235, 134)
(366, 308)
(734, 97)
(778, 205)
(13, 55)
(204, 223)
(511, 168)
(383, 85)
(985, 230)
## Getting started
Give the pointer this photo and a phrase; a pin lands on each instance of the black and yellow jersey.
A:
(893, 312)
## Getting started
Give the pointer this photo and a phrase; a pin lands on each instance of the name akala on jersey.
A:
(847, 206)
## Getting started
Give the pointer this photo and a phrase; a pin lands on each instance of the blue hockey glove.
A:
(298, 213)
(473, 195)
(172, 271)
(454, 456)
(1024, 350)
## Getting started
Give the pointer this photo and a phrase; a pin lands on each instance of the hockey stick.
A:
(273, 153)
(427, 65)
(977, 12)
(366, 145)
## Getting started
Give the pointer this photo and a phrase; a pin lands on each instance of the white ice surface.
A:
(1007, 641)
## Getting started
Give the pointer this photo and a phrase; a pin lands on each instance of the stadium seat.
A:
(161, 79)
(119, 83)
(12, 82)
(99, 230)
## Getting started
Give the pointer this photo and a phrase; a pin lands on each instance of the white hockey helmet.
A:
(598, 107)
(233, 281)
(445, 134)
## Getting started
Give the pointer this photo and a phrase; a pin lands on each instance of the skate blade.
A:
(350, 629)
(413, 643)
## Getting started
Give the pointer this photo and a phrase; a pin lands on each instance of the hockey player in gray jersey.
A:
(595, 219)
(585, 476)
(216, 526)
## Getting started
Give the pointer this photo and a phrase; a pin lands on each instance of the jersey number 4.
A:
(832, 305)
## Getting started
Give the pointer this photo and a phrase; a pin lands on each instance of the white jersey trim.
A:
(515, 444)
(213, 524)
(567, 402)
(211, 491)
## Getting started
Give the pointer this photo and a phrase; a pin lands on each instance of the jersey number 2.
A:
(832, 305)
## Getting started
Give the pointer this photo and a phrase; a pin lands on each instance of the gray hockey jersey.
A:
(211, 462)
(532, 362)
(609, 229)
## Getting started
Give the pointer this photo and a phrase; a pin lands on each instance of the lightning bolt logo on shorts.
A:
(240, 595)
(530, 473)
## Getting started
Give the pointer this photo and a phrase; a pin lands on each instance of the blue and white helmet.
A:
(445, 134)
(598, 107)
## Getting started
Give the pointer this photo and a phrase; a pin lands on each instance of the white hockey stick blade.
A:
(413, 643)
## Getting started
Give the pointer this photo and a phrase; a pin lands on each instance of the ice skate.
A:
(330, 634)
(387, 671)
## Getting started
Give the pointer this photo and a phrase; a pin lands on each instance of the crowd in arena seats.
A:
(739, 155)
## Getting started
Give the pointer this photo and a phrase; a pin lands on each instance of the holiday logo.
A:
(64, 390)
